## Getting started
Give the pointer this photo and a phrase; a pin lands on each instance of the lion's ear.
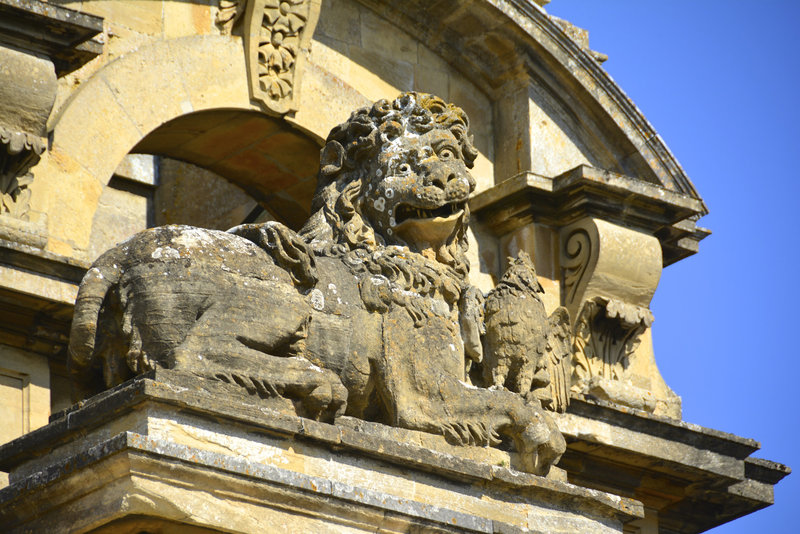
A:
(331, 158)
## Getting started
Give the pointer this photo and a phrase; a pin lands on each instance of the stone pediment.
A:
(500, 44)
(557, 108)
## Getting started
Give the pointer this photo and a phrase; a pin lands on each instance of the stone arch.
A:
(269, 159)
(152, 91)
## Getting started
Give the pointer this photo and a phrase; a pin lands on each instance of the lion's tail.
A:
(104, 274)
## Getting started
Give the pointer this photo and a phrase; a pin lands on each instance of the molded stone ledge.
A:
(206, 431)
(588, 192)
(695, 478)
(60, 33)
(37, 293)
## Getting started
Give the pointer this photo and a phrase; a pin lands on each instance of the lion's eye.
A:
(404, 168)
(447, 153)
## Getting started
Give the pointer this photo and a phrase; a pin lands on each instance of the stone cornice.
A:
(61, 34)
(497, 42)
(47, 450)
(586, 191)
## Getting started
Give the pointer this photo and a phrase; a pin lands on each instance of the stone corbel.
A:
(19, 152)
(277, 35)
(27, 92)
(39, 42)
(606, 335)
(610, 274)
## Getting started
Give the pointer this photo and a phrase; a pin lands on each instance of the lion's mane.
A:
(338, 226)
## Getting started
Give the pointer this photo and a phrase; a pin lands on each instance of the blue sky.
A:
(720, 81)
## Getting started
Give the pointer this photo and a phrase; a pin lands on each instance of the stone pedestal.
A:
(172, 452)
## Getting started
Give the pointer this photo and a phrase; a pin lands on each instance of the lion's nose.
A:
(441, 179)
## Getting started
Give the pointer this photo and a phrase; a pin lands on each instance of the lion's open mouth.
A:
(405, 212)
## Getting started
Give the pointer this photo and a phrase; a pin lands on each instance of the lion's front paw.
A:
(540, 445)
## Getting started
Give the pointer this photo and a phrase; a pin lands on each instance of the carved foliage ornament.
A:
(607, 332)
(276, 33)
(19, 152)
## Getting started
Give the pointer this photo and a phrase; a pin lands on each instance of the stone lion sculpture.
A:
(367, 311)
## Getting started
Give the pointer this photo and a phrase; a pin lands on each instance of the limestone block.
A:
(118, 41)
(140, 168)
(188, 18)
(483, 257)
(556, 143)
(341, 20)
(431, 79)
(184, 451)
(213, 71)
(144, 16)
(483, 169)
(27, 91)
(128, 81)
(332, 55)
(84, 135)
(540, 242)
(119, 215)
(379, 76)
(316, 115)
(68, 193)
(536, 133)
(512, 140)
(475, 103)
(385, 39)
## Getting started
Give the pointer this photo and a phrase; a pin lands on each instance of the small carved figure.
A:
(526, 351)
(368, 311)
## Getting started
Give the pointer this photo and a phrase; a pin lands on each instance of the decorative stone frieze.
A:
(277, 34)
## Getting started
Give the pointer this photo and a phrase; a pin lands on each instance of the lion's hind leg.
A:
(243, 342)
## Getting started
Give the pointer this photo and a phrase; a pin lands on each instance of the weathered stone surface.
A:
(175, 448)
(539, 104)
(369, 309)
(690, 477)
(527, 351)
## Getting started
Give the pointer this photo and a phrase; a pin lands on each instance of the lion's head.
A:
(397, 174)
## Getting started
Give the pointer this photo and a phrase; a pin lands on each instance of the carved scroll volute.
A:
(579, 251)
(610, 274)
(277, 34)
(602, 259)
